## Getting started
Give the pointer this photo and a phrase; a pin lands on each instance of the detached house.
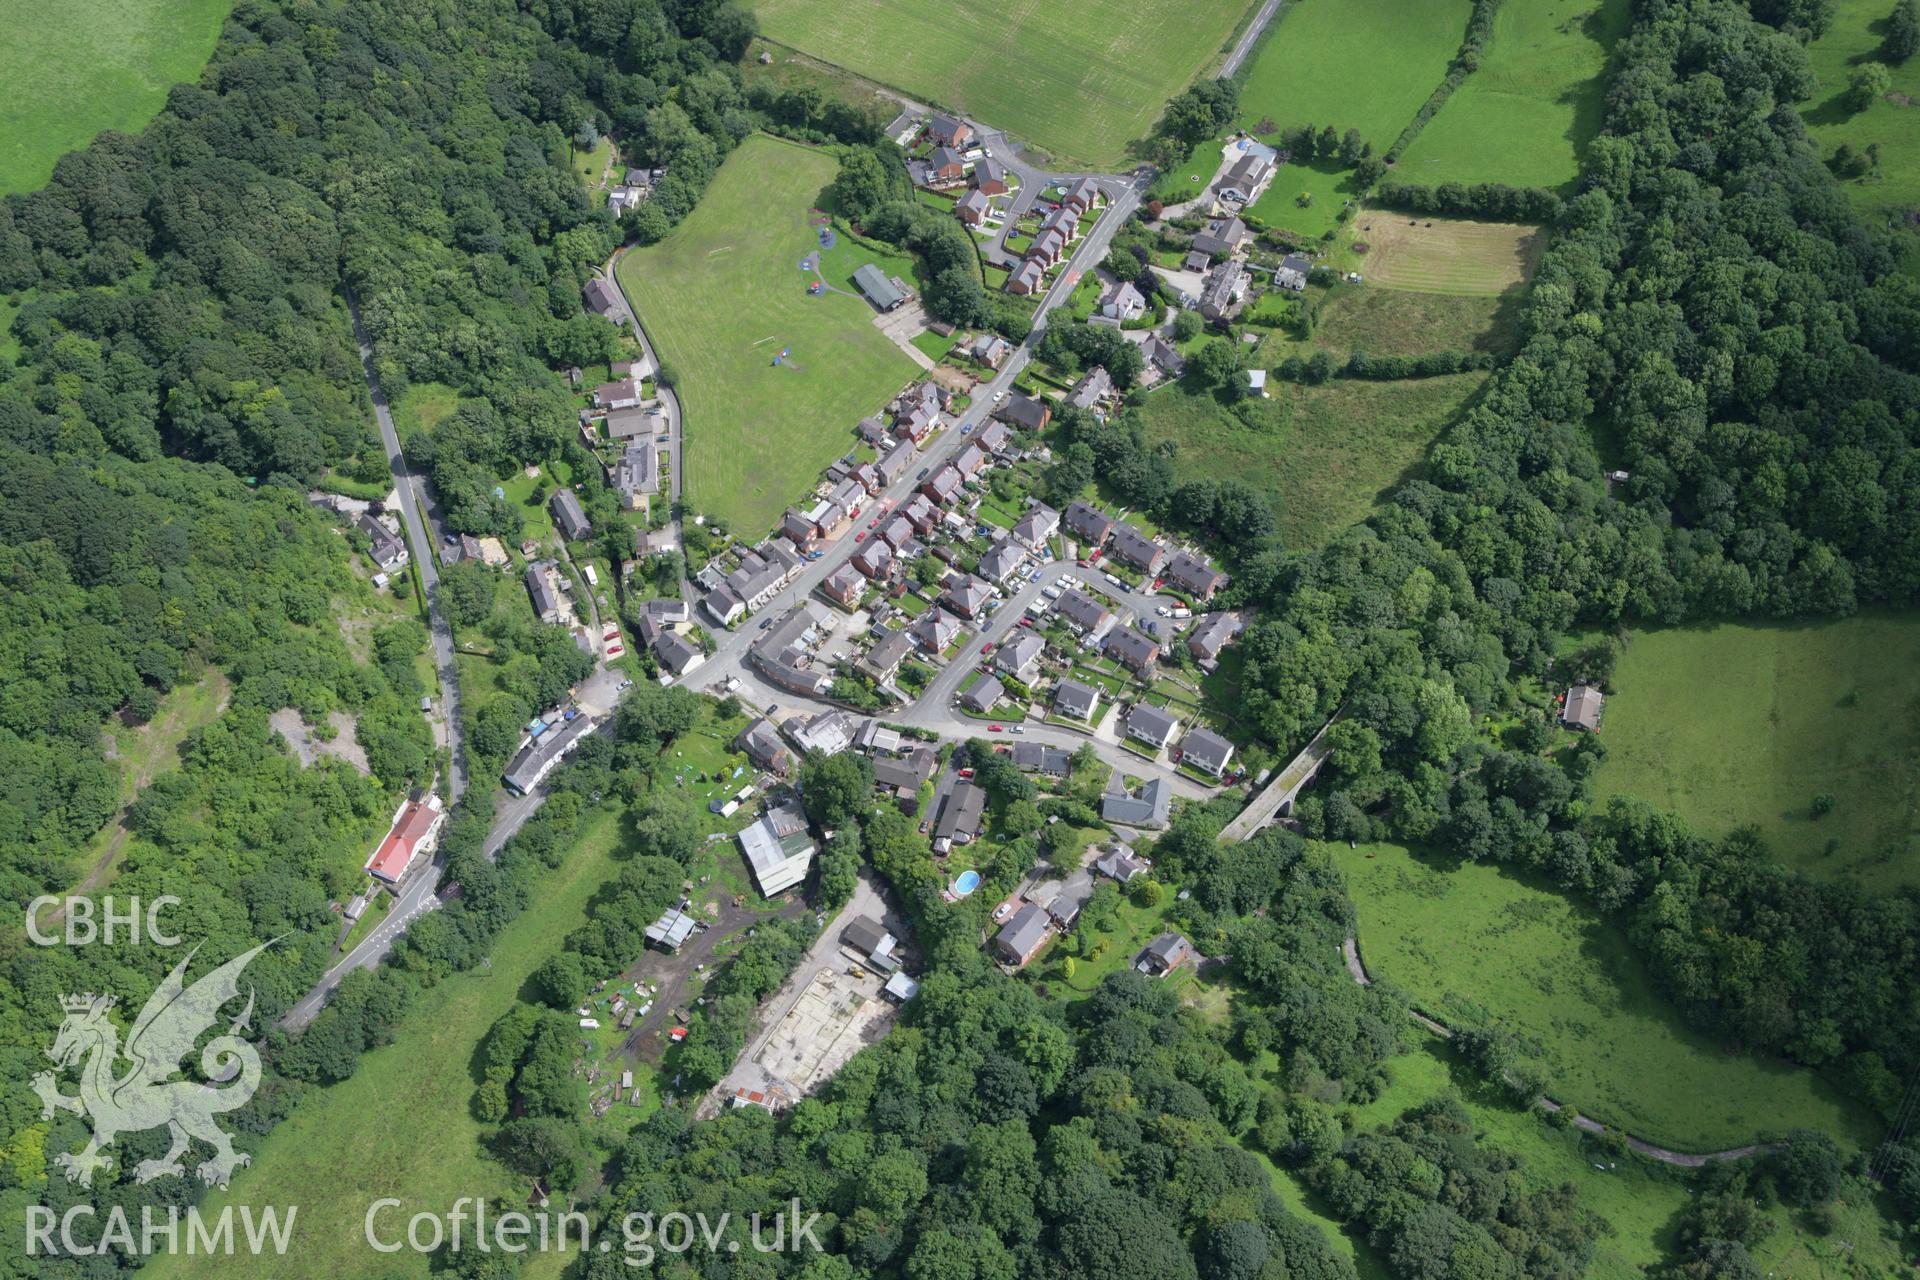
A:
(1206, 751)
(1083, 195)
(949, 131)
(990, 349)
(1074, 699)
(1026, 278)
(1024, 411)
(935, 630)
(1094, 386)
(967, 596)
(1151, 725)
(989, 176)
(1084, 615)
(972, 208)
(945, 168)
(1222, 237)
(568, 515)
(1123, 302)
(1034, 528)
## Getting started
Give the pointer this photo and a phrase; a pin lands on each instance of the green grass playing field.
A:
(1854, 38)
(1525, 117)
(1746, 724)
(1361, 64)
(722, 295)
(74, 67)
(403, 1125)
(1325, 453)
(1079, 79)
(1473, 943)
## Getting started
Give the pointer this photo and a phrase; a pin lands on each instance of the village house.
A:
(726, 607)
(1065, 220)
(1145, 806)
(1089, 524)
(1292, 273)
(903, 776)
(761, 743)
(1194, 575)
(994, 438)
(1206, 751)
(602, 300)
(410, 839)
(1133, 649)
(949, 131)
(920, 513)
(546, 604)
(1084, 615)
(1151, 725)
(568, 515)
(945, 168)
(676, 653)
(872, 431)
(778, 848)
(935, 630)
(636, 477)
(895, 462)
(538, 758)
(1212, 635)
(1243, 181)
(1221, 237)
(967, 596)
(1019, 657)
(1047, 247)
(1076, 700)
(989, 177)
(972, 208)
(844, 586)
(624, 394)
(386, 548)
(960, 817)
(1161, 354)
(1024, 411)
(990, 349)
(1026, 278)
(970, 461)
(1583, 707)
(881, 663)
(1022, 937)
(1130, 546)
(1083, 195)
(828, 733)
(897, 532)
(1224, 293)
(627, 424)
(1034, 528)
(1121, 865)
(1122, 302)
(1094, 386)
(982, 694)
(1033, 757)
(1163, 955)
(942, 485)
(1001, 561)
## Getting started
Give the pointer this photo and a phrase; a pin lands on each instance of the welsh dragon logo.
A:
(144, 1095)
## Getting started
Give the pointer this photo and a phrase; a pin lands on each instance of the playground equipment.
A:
(814, 288)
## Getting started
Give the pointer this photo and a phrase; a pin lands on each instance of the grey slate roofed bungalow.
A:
(1584, 704)
(880, 291)
(986, 691)
(572, 520)
(602, 299)
(1147, 807)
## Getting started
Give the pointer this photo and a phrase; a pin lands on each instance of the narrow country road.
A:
(1249, 38)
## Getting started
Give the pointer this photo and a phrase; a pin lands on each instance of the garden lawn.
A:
(1473, 943)
(1854, 38)
(720, 296)
(1325, 454)
(74, 67)
(1734, 724)
(1526, 116)
(403, 1124)
(1079, 79)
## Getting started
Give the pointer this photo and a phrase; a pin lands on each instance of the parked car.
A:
(1018, 728)
(1000, 912)
(1164, 612)
(966, 773)
(994, 728)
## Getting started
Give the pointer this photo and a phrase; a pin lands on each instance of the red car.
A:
(1026, 622)
(966, 773)
(994, 728)
(874, 523)
(860, 536)
(1002, 749)
(987, 647)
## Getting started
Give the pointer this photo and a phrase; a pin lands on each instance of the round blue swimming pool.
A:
(965, 883)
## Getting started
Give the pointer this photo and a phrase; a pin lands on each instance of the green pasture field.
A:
(1855, 37)
(722, 295)
(1080, 79)
(404, 1123)
(1526, 116)
(1732, 725)
(1325, 453)
(422, 407)
(75, 67)
(1363, 64)
(1395, 322)
(1473, 943)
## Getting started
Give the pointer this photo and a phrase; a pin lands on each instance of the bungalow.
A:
(677, 654)
(1163, 955)
(546, 605)
(761, 743)
(844, 586)
(905, 775)
(949, 131)
(945, 168)
(1292, 273)
(1147, 806)
(942, 485)
(1024, 411)
(1120, 864)
(1083, 195)
(872, 431)
(994, 438)
(1583, 707)
(1151, 725)
(409, 841)
(1064, 900)
(935, 630)
(1133, 649)
(1021, 938)
(989, 177)
(1033, 757)
(1094, 386)
(778, 848)
(602, 300)
(1026, 278)
(386, 547)
(984, 692)
(883, 293)
(1034, 528)
(1089, 524)
(1084, 615)
(568, 515)
(894, 462)
(827, 734)
(1222, 237)
(1224, 293)
(999, 564)
(1194, 575)
(637, 475)
(624, 394)
(1211, 636)
(1123, 302)
(1019, 656)
(882, 662)
(626, 424)
(1130, 546)
(1206, 751)
(960, 817)
(1074, 699)
(990, 349)
(967, 596)
(1161, 355)
(972, 208)
(1197, 260)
